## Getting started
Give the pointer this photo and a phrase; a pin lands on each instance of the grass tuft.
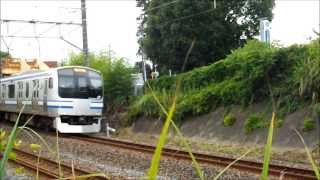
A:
(310, 158)
(254, 121)
(308, 124)
(229, 120)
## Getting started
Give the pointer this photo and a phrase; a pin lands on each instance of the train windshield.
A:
(79, 83)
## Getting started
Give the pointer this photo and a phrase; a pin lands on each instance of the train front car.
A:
(80, 100)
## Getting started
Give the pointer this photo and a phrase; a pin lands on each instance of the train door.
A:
(1, 98)
(45, 96)
(3, 93)
(19, 95)
(35, 94)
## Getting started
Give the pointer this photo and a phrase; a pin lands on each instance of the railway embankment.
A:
(230, 102)
(211, 128)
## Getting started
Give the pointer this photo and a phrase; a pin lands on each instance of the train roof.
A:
(31, 73)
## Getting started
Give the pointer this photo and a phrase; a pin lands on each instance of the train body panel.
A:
(70, 96)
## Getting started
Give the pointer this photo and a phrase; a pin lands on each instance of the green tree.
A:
(168, 27)
(4, 54)
(116, 76)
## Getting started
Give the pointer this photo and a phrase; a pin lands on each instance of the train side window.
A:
(11, 91)
(27, 89)
(35, 87)
(50, 83)
(3, 91)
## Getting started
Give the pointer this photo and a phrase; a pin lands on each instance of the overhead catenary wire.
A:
(186, 17)
(162, 5)
(31, 37)
(171, 3)
(48, 29)
(180, 18)
(39, 35)
(38, 22)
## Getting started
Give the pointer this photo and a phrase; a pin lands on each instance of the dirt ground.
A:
(210, 128)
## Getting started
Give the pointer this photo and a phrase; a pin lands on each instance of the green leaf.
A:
(267, 150)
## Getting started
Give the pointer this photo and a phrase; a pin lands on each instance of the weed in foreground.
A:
(315, 168)
(7, 146)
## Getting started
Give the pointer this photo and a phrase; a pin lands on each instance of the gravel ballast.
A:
(120, 163)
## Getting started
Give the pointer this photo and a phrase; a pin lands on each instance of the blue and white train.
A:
(69, 99)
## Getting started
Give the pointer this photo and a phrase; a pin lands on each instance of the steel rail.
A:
(242, 165)
(47, 167)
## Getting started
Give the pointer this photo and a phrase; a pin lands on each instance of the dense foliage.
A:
(4, 54)
(116, 73)
(241, 78)
(168, 27)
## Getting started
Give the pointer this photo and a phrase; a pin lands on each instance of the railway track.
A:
(47, 168)
(243, 165)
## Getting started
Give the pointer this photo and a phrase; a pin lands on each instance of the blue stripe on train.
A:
(95, 107)
(62, 107)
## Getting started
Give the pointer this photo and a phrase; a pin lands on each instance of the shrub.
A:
(316, 110)
(116, 73)
(241, 79)
(254, 121)
(308, 124)
(229, 120)
(279, 122)
(307, 72)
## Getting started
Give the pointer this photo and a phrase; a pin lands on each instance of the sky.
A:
(112, 25)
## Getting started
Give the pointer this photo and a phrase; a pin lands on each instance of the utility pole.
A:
(84, 32)
(144, 68)
(0, 45)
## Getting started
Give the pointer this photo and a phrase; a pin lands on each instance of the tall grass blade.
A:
(72, 168)
(267, 150)
(38, 162)
(58, 153)
(153, 171)
(184, 141)
(10, 145)
(87, 176)
(26, 129)
(311, 160)
(232, 163)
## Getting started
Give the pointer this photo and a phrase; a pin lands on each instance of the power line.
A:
(30, 37)
(187, 17)
(162, 5)
(38, 22)
(48, 29)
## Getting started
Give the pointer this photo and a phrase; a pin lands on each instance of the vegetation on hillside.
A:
(167, 29)
(241, 78)
(117, 79)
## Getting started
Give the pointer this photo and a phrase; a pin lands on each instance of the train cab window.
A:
(50, 83)
(27, 89)
(11, 90)
(66, 83)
